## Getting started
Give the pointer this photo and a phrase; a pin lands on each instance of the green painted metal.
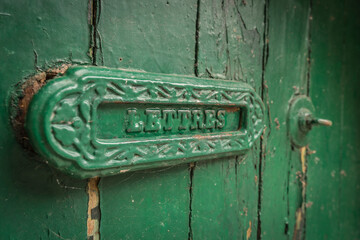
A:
(301, 119)
(147, 120)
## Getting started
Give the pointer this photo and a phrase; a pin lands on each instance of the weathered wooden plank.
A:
(225, 191)
(333, 194)
(155, 36)
(285, 75)
(151, 204)
(37, 202)
(230, 40)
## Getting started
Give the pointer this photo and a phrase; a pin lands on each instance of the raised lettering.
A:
(134, 125)
(173, 120)
(152, 120)
(184, 116)
(210, 119)
(221, 119)
(197, 119)
(169, 116)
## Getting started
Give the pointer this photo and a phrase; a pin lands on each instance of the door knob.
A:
(301, 119)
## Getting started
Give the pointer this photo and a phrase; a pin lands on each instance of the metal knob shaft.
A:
(319, 122)
(307, 121)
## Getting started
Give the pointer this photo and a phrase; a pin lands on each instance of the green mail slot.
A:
(96, 121)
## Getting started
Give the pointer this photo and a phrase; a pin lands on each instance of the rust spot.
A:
(200, 137)
(232, 109)
(248, 232)
(27, 90)
(209, 136)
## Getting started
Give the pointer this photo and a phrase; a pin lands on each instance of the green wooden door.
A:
(277, 191)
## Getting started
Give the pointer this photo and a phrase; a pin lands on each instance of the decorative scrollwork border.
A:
(62, 120)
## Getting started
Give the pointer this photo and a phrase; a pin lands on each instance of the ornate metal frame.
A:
(61, 120)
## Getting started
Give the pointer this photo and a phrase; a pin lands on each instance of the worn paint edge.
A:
(93, 212)
(300, 212)
(22, 94)
(248, 232)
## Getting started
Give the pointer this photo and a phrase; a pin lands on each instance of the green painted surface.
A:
(277, 191)
(334, 169)
(62, 120)
(158, 37)
(225, 191)
(285, 75)
(37, 202)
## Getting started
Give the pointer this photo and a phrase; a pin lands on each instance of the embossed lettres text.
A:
(152, 120)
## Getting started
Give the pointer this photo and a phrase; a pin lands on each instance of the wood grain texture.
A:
(36, 202)
(281, 48)
(225, 191)
(285, 76)
(156, 36)
(159, 37)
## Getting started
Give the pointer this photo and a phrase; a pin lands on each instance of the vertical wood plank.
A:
(333, 180)
(285, 76)
(225, 191)
(37, 202)
(155, 36)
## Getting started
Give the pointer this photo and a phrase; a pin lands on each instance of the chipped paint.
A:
(299, 220)
(248, 232)
(276, 120)
(309, 204)
(27, 90)
(300, 212)
(232, 109)
(93, 220)
(303, 159)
